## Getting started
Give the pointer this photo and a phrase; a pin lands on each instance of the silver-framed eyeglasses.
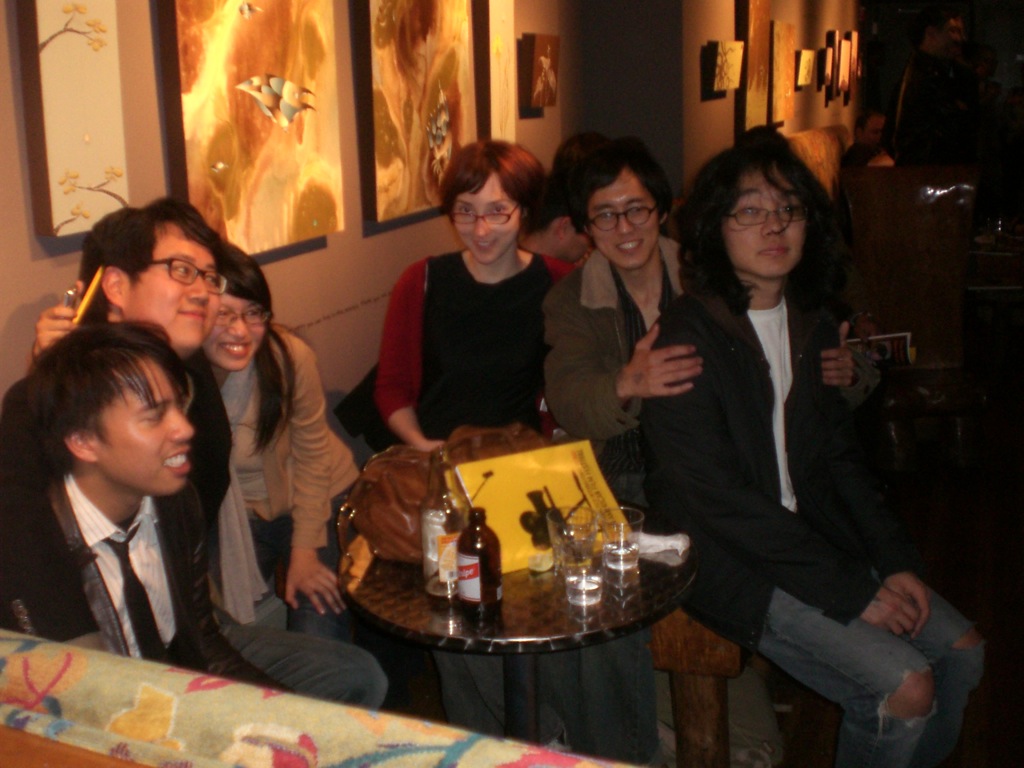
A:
(186, 274)
(470, 218)
(636, 215)
(251, 316)
(752, 217)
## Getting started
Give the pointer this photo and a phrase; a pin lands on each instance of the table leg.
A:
(521, 711)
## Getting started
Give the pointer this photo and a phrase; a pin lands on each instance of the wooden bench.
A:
(699, 662)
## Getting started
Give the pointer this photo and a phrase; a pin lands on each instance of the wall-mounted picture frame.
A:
(843, 79)
(538, 72)
(854, 38)
(805, 59)
(502, 57)
(832, 52)
(252, 118)
(753, 26)
(416, 101)
(783, 71)
(721, 67)
(71, 85)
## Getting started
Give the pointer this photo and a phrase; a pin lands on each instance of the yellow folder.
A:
(518, 489)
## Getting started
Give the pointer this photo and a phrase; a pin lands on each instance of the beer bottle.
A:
(442, 518)
(480, 569)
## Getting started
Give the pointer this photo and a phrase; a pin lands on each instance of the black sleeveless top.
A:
(483, 347)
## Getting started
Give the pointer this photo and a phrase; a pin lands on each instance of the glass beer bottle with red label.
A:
(479, 557)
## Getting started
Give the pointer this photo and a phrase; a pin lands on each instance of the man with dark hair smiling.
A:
(109, 402)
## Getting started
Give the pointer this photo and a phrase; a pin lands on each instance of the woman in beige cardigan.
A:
(286, 462)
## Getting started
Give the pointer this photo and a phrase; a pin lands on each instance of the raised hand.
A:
(658, 372)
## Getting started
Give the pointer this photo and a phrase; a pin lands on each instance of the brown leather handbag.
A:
(384, 503)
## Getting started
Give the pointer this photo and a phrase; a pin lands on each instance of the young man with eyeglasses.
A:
(602, 322)
(160, 266)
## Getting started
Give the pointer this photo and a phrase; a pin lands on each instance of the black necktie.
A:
(140, 612)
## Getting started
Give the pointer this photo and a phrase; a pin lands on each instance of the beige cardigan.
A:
(307, 464)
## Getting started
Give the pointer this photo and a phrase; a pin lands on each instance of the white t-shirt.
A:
(772, 329)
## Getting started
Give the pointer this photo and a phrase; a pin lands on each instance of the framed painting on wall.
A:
(503, 68)
(804, 67)
(252, 112)
(73, 112)
(415, 98)
(753, 26)
(783, 71)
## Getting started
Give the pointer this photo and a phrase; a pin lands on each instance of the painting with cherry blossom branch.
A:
(75, 124)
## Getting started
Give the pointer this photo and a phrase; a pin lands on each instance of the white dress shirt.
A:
(144, 552)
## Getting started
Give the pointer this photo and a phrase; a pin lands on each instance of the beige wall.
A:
(336, 295)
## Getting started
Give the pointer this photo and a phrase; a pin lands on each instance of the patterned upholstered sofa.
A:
(103, 706)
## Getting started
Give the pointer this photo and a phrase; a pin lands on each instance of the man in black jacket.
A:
(800, 558)
(109, 403)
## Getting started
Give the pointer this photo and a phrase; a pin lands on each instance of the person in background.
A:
(800, 558)
(867, 146)
(551, 231)
(108, 402)
(933, 113)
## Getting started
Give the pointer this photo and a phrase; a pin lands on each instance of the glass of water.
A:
(621, 527)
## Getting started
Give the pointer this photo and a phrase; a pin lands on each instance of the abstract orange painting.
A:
(257, 131)
(422, 98)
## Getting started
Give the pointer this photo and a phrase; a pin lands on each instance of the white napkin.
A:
(664, 549)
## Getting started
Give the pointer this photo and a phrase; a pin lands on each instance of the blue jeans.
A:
(859, 666)
(313, 666)
(273, 542)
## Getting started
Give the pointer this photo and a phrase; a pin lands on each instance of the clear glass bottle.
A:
(442, 518)
(480, 569)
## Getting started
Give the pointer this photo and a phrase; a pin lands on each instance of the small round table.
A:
(536, 617)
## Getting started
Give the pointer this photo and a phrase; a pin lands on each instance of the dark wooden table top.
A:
(536, 616)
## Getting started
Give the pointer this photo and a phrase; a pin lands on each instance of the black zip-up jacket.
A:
(713, 473)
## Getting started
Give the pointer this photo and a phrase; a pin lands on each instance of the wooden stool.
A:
(698, 662)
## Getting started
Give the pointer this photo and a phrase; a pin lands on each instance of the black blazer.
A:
(45, 579)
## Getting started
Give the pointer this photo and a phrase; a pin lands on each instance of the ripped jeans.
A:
(859, 665)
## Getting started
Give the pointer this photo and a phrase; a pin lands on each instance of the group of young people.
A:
(708, 374)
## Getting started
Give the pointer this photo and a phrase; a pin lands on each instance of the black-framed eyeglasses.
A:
(186, 274)
(253, 317)
(468, 217)
(752, 217)
(636, 215)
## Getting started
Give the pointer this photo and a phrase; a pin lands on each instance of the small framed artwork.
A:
(783, 71)
(721, 67)
(844, 66)
(538, 69)
(73, 113)
(825, 59)
(753, 25)
(832, 40)
(854, 39)
(252, 118)
(416, 101)
(805, 67)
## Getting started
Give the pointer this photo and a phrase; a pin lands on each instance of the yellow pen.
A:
(89, 293)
